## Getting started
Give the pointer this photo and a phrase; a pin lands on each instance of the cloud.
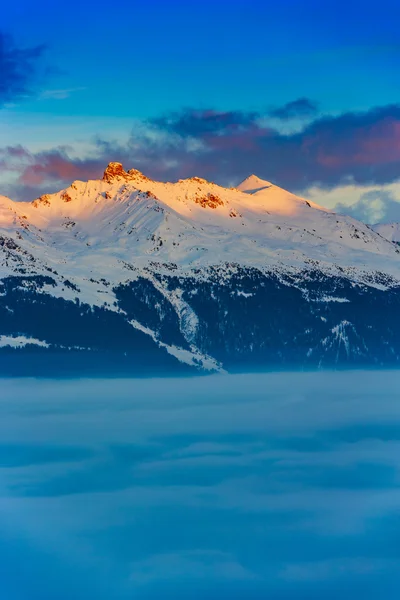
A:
(375, 206)
(360, 149)
(33, 454)
(337, 568)
(59, 94)
(190, 565)
(192, 123)
(311, 512)
(57, 165)
(368, 203)
(18, 69)
(302, 108)
(45, 171)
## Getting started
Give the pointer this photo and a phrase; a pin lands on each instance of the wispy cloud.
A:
(59, 94)
(338, 568)
(18, 70)
(190, 566)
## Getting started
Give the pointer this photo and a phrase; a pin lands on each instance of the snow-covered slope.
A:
(91, 239)
(127, 217)
(275, 199)
(390, 231)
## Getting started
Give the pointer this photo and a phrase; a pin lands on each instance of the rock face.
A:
(127, 276)
(114, 171)
(210, 201)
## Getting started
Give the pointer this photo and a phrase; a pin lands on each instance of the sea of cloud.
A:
(283, 486)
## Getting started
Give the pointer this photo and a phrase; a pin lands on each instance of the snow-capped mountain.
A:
(131, 274)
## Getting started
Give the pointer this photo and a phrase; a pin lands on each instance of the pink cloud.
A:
(57, 166)
(363, 147)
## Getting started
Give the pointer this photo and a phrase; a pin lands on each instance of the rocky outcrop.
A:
(210, 201)
(114, 171)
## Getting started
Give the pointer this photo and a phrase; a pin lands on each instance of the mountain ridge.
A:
(196, 203)
(140, 253)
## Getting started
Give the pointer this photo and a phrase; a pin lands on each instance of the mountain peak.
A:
(116, 172)
(253, 184)
(135, 174)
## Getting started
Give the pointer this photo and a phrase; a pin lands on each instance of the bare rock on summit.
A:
(114, 170)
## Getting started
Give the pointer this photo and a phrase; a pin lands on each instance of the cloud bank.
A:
(218, 487)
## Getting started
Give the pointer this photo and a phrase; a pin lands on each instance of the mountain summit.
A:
(253, 184)
(116, 172)
(192, 273)
(274, 198)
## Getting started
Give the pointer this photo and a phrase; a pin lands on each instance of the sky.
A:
(157, 494)
(303, 93)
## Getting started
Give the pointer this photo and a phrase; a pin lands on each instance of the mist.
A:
(283, 485)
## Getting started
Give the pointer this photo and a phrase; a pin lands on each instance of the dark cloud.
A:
(192, 123)
(300, 108)
(361, 148)
(18, 69)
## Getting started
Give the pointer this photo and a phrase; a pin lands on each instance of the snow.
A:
(390, 231)
(193, 357)
(253, 184)
(95, 227)
(101, 233)
(270, 197)
(108, 225)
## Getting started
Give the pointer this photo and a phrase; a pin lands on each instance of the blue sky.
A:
(138, 59)
(110, 72)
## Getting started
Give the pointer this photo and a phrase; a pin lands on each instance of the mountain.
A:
(390, 231)
(130, 275)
